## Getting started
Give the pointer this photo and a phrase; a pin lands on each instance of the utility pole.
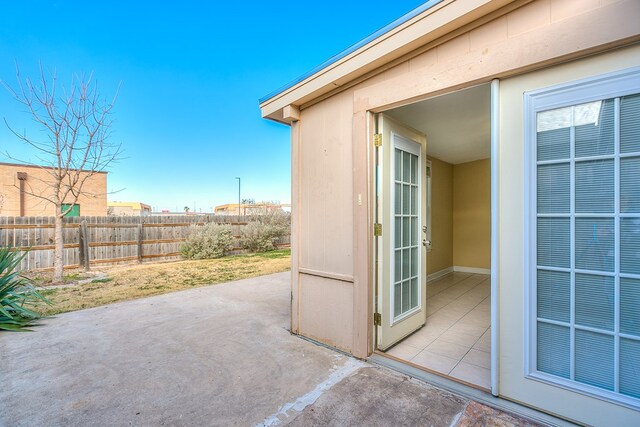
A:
(239, 200)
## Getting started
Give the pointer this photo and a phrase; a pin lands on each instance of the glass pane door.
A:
(406, 239)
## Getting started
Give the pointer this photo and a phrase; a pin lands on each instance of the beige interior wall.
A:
(472, 214)
(441, 255)
(513, 384)
(460, 216)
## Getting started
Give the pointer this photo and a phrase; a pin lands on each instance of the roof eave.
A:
(433, 20)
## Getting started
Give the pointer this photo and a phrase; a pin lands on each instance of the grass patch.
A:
(136, 281)
(278, 254)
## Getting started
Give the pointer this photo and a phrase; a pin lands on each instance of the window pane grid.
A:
(406, 238)
(589, 329)
(629, 337)
(593, 330)
(594, 272)
(583, 159)
(616, 258)
(572, 239)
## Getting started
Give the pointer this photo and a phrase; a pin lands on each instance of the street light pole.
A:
(239, 200)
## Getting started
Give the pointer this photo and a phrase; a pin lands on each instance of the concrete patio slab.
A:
(217, 355)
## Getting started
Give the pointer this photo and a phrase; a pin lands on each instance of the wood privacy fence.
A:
(91, 240)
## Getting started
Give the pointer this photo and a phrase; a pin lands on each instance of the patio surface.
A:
(217, 355)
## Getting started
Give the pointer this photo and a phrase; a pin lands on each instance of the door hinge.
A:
(377, 230)
(377, 139)
(377, 319)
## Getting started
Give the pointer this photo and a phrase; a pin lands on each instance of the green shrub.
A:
(211, 241)
(16, 294)
(262, 234)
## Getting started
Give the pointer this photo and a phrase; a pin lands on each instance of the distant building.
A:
(128, 209)
(19, 183)
(261, 208)
(167, 212)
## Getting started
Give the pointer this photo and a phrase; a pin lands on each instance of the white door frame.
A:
(495, 244)
(390, 328)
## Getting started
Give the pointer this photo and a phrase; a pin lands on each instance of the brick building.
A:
(17, 181)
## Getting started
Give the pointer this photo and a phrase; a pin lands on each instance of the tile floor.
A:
(456, 339)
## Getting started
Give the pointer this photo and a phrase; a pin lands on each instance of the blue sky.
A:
(191, 73)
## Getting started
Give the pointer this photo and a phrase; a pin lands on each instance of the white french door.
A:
(585, 233)
(401, 212)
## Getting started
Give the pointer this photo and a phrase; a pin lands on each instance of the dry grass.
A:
(135, 281)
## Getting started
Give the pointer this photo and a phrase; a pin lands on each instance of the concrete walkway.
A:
(214, 356)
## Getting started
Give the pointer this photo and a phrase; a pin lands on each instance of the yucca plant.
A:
(16, 294)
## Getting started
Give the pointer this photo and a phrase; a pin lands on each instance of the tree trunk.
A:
(58, 259)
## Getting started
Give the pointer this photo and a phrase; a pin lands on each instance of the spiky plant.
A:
(16, 294)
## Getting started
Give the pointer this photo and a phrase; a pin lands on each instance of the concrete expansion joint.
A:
(292, 409)
(455, 420)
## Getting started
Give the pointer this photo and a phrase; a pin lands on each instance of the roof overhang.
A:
(432, 20)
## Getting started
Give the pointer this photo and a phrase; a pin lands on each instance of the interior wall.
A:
(441, 255)
(472, 214)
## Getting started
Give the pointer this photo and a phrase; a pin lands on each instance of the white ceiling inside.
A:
(457, 125)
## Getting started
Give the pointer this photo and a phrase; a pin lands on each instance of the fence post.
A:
(83, 246)
(140, 241)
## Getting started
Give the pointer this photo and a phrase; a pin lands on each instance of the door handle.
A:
(426, 243)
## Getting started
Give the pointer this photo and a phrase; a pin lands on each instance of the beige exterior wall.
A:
(512, 222)
(332, 151)
(333, 170)
(441, 255)
(472, 214)
(93, 202)
(325, 235)
(524, 39)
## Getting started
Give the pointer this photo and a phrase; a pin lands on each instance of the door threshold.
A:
(465, 389)
(431, 371)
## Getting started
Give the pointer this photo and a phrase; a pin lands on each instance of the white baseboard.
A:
(474, 270)
(439, 274)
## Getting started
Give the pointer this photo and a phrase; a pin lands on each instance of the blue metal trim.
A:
(404, 18)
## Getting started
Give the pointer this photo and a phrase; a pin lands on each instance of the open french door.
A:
(401, 252)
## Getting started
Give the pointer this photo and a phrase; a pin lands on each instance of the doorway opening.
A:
(442, 239)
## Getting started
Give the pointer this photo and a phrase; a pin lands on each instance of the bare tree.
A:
(75, 124)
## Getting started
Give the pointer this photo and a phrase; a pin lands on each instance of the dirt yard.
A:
(120, 283)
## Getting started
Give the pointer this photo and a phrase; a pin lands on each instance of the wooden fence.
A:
(91, 241)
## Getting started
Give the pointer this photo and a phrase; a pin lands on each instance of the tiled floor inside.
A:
(456, 339)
